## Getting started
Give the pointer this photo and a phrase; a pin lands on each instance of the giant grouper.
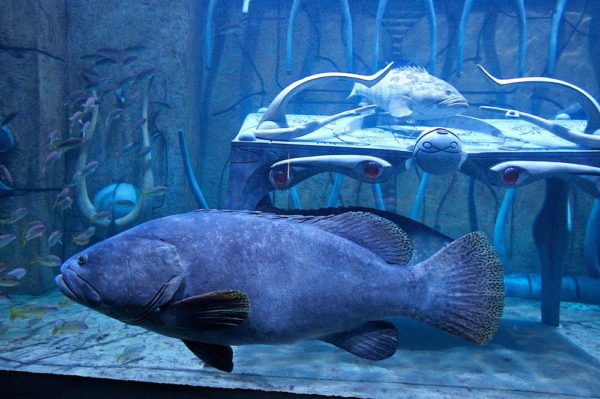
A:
(219, 278)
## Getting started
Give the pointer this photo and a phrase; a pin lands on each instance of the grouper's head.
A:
(125, 277)
(436, 98)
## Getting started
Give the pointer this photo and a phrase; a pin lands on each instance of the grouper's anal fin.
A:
(217, 356)
(212, 310)
(375, 340)
(375, 233)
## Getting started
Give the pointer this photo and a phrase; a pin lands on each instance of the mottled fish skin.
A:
(412, 93)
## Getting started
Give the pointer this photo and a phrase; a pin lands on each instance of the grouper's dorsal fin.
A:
(379, 235)
(375, 233)
(411, 68)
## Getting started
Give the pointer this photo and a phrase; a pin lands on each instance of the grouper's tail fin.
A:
(355, 91)
(465, 289)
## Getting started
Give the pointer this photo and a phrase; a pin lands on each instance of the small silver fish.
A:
(131, 353)
(86, 170)
(34, 311)
(8, 282)
(33, 231)
(65, 203)
(16, 274)
(156, 190)
(15, 216)
(76, 117)
(5, 175)
(50, 159)
(103, 215)
(6, 239)
(47, 260)
(90, 103)
(53, 137)
(65, 192)
(62, 326)
(130, 147)
(83, 238)
(55, 238)
(412, 93)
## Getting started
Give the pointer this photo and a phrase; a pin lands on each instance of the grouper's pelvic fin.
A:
(217, 356)
(465, 289)
(375, 340)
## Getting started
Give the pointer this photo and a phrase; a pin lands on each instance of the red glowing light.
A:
(281, 177)
(372, 170)
(510, 176)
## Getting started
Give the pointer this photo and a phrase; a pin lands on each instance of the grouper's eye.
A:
(81, 260)
(448, 92)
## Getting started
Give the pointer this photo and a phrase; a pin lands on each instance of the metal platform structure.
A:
(501, 152)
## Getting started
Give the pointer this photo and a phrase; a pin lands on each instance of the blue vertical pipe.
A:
(522, 35)
(462, 27)
(499, 227)
(556, 18)
(590, 241)
(570, 212)
(418, 204)
(295, 198)
(378, 20)
(432, 35)
(187, 165)
(348, 35)
(335, 190)
(472, 206)
(208, 35)
(290, 35)
(378, 197)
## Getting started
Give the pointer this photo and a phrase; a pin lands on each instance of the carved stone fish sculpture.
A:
(220, 278)
(412, 93)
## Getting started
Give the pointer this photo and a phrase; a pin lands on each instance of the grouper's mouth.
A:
(455, 102)
(76, 288)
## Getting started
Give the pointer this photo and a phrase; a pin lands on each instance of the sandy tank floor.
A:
(526, 359)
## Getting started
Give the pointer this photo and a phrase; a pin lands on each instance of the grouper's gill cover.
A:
(130, 281)
(216, 278)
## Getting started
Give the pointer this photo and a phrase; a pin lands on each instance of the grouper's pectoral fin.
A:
(217, 356)
(212, 310)
(401, 107)
(375, 340)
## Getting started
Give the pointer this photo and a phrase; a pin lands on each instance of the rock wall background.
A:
(41, 50)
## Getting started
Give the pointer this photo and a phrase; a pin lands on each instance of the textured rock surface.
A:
(32, 83)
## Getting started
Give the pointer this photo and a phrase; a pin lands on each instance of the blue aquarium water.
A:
(373, 199)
